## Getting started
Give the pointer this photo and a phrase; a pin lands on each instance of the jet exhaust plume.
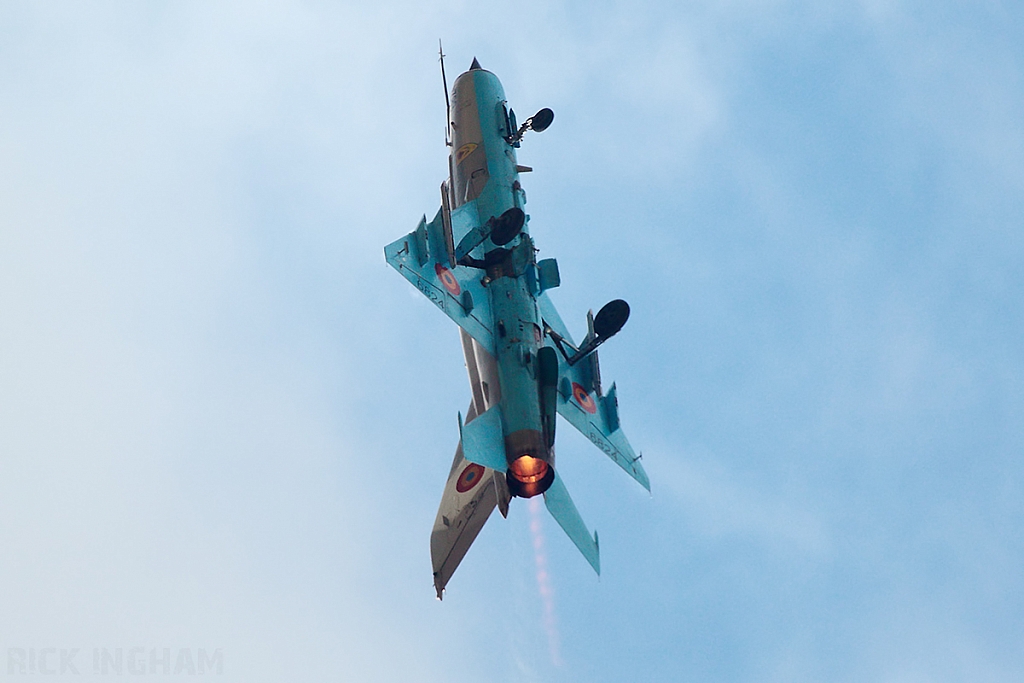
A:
(544, 589)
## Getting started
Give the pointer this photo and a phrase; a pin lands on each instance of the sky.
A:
(225, 422)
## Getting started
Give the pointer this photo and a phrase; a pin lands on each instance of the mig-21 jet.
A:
(476, 261)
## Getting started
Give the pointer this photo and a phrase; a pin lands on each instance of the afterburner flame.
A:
(528, 469)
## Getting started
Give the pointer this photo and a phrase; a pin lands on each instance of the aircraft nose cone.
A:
(475, 65)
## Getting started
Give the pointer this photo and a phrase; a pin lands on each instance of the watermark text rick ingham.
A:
(114, 661)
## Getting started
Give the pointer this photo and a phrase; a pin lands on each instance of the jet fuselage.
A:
(484, 168)
(476, 262)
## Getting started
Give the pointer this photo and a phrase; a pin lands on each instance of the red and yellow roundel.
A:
(470, 477)
(583, 398)
(448, 280)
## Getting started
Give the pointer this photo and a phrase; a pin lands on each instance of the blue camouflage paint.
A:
(495, 293)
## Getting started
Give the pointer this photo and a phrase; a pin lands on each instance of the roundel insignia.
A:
(583, 398)
(462, 152)
(448, 280)
(470, 477)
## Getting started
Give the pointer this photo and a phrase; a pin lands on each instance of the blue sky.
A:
(226, 423)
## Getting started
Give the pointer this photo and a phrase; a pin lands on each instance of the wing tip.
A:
(438, 586)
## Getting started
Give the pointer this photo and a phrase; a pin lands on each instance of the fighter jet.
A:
(477, 262)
